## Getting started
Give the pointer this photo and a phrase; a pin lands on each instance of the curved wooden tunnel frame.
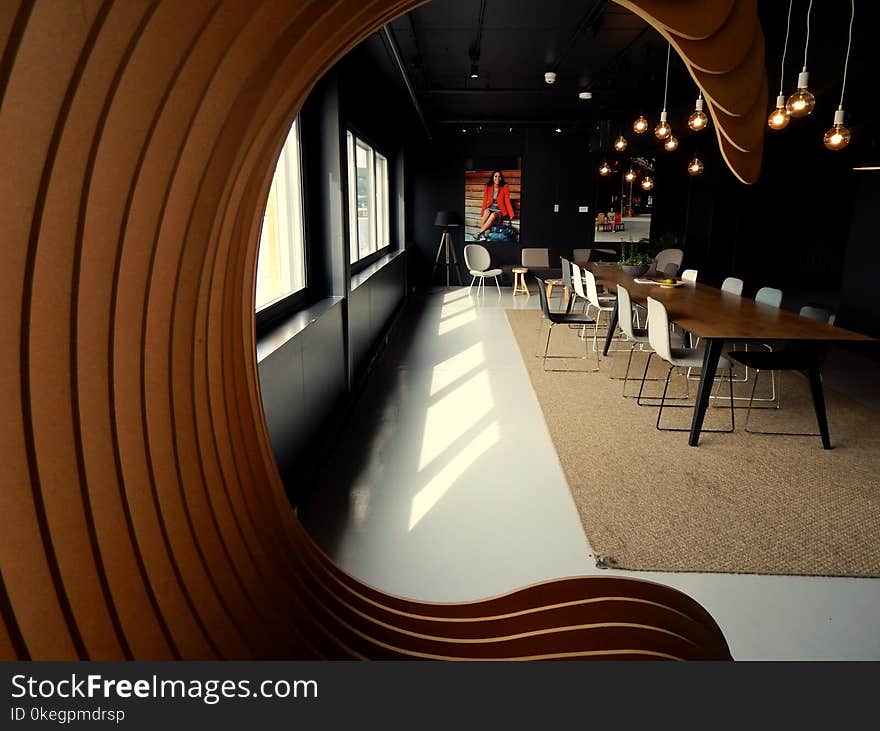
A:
(722, 46)
(143, 513)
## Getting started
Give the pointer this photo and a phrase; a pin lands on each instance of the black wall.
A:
(556, 169)
(311, 364)
(859, 299)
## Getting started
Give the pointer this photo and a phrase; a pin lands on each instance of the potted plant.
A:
(634, 260)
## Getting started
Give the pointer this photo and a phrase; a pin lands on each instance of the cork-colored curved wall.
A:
(722, 46)
(143, 516)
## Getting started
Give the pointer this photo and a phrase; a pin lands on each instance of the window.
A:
(281, 267)
(369, 215)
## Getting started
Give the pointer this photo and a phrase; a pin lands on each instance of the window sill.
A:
(284, 331)
(364, 274)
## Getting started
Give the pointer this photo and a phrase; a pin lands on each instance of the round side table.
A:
(519, 281)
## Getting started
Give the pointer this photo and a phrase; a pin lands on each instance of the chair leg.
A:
(716, 431)
(547, 345)
(497, 286)
(473, 279)
(644, 378)
(663, 397)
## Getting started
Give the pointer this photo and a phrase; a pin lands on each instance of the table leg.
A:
(612, 326)
(707, 377)
(819, 406)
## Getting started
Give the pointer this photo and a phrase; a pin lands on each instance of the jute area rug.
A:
(739, 502)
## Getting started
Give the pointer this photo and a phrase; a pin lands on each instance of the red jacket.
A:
(504, 204)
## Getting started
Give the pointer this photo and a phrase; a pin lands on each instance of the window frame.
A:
(362, 263)
(269, 315)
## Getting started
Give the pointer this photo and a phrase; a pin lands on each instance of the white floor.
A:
(451, 489)
(635, 228)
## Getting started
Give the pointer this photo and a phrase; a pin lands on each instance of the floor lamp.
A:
(446, 220)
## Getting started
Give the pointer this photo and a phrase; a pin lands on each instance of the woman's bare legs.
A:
(488, 221)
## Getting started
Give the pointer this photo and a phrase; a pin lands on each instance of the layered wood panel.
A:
(722, 46)
(143, 514)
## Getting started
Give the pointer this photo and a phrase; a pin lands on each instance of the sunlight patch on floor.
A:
(431, 494)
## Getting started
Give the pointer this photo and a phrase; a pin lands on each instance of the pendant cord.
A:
(666, 86)
(807, 44)
(848, 47)
(785, 48)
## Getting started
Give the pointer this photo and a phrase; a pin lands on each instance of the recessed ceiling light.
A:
(558, 130)
(585, 95)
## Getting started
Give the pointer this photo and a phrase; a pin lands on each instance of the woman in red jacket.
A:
(496, 203)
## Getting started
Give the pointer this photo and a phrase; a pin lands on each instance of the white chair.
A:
(601, 304)
(689, 276)
(733, 285)
(661, 341)
(478, 261)
(637, 336)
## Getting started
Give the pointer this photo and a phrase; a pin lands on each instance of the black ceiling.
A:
(599, 46)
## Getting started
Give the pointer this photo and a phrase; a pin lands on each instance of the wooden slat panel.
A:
(143, 513)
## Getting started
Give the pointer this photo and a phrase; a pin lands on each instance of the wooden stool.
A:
(551, 283)
(519, 281)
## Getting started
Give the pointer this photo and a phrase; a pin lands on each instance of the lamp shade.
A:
(447, 219)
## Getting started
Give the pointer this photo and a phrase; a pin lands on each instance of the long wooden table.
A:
(718, 317)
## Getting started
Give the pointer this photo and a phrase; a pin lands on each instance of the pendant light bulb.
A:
(780, 116)
(696, 166)
(630, 175)
(647, 183)
(604, 170)
(640, 125)
(663, 130)
(620, 143)
(671, 144)
(698, 121)
(838, 136)
(802, 102)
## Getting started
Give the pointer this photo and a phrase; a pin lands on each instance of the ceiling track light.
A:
(475, 72)
(780, 116)
(838, 136)
(550, 77)
(663, 130)
(802, 102)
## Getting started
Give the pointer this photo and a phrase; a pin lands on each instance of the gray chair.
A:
(478, 261)
(769, 296)
(817, 313)
(661, 341)
(805, 358)
(668, 261)
(561, 318)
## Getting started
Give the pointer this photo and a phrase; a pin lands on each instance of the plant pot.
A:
(634, 270)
